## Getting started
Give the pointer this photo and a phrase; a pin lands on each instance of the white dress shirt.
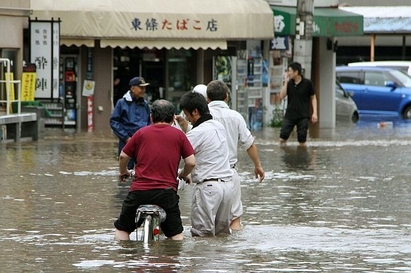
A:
(234, 123)
(209, 141)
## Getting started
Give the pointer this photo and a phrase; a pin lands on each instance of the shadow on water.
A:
(339, 205)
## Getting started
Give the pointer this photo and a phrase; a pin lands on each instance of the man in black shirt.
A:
(301, 104)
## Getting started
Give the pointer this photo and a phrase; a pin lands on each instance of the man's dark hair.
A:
(217, 90)
(192, 100)
(162, 111)
(296, 67)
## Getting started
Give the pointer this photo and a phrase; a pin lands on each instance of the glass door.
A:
(181, 74)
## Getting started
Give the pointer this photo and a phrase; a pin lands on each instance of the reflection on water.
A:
(298, 157)
(339, 205)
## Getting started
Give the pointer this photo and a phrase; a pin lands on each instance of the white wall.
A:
(326, 100)
(13, 18)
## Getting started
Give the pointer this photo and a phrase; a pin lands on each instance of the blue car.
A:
(377, 90)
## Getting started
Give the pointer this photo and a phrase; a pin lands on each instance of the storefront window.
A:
(181, 74)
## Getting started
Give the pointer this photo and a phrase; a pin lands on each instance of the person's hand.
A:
(286, 78)
(183, 182)
(182, 122)
(124, 176)
(186, 179)
(259, 173)
(314, 118)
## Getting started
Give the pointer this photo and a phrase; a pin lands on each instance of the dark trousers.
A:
(288, 127)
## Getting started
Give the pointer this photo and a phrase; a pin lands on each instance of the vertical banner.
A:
(56, 59)
(11, 96)
(88, 90)
(41, 47)
(44, 52)
(90, 114)
(28, 82)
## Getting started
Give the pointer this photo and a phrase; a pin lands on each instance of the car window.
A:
(404, 78)
(339, 90)
(397, 67)
(352, 77)
(377, 78)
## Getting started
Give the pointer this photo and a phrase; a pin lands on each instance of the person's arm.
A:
(122, 162)
(183, 123)
(253, 155)
(283, 92)
(189, 164)
(116, 124)
(314, 116)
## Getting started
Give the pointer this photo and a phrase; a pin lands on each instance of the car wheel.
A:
(407, 113)
(355, 117)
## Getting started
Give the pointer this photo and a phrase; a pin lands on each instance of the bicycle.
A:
(148, 220)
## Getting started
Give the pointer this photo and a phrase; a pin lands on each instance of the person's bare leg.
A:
(177, 237)
(235, 224)
(121, 235)
(303, 144)
(283, 142)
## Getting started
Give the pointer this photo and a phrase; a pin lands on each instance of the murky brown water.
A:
(342, 205)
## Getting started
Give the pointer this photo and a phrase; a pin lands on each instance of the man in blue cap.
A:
(131, 113)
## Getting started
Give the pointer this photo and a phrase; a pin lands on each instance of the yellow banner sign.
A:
(28, 86)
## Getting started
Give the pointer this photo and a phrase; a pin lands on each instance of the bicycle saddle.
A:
(153, 209)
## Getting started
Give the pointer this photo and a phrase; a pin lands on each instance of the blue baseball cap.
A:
(138, 81)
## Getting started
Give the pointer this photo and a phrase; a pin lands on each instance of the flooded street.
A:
(340, 205)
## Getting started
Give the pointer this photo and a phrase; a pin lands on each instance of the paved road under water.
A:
(341, 205)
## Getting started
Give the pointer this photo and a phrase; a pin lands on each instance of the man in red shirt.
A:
(158, 149)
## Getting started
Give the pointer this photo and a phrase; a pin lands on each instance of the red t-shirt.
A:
(158, 149)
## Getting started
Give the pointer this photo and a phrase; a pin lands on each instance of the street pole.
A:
(303, 43)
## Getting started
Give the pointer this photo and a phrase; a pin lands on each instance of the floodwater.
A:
(341, 205)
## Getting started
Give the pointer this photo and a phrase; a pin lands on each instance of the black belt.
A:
(213, 179)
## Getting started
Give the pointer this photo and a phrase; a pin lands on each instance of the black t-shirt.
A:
(299, 99)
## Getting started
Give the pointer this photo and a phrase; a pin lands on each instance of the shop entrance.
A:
(170, 73)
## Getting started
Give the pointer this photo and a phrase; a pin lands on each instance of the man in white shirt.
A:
(237, 134)
(213, 190)
(199, 88)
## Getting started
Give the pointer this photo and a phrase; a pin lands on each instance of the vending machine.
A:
(243, 75)
(225, 69)
(69, 89)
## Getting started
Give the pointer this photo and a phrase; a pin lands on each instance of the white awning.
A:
(168, 44)
(77, 42)
(173, 21)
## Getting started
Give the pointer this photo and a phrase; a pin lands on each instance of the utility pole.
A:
(303, 44)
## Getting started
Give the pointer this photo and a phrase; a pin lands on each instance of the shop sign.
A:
(284, 23)
(44, 53)
(172, 24)
(280, 43)
(327, 22)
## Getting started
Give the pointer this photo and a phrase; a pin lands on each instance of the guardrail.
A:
(9, 84)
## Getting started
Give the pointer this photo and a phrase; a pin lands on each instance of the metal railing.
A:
(10, 88)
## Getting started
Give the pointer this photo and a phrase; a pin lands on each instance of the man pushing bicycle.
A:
(158, 149)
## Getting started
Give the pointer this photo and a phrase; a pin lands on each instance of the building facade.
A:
(172, 44)
(13, 18)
